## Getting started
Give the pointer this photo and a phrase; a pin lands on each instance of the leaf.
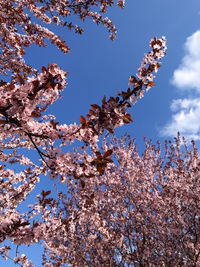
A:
(92, 196)
(2, 167)
(82, 120)
(47, 192)
(48, 200)
(35, 224)
(2, 19)
(82, 183)
(20, 79)
(108, 160)
(44, 69)
(24, 224)
(2, 83)
(35, 84)
(104, 100)
(149, 84)
(49, 85)
(127, 104)
(54, 124)
(44, 194)
(3, 122)
(28, 170)
(112, 99)
(110, 130)
(43, 43)
(108, 153)
(101, 170)
(95, 107)
(36, 114)
(10, 87)
(12, 161)
(127, 118)
(126, 94)
(98, 154)
(92, 112)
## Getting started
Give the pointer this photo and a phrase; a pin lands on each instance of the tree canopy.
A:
(117, 207)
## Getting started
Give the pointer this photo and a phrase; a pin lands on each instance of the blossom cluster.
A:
(144, 211)
(18, 29)
(76, 226)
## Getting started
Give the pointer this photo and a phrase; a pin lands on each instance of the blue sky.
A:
(98, 67)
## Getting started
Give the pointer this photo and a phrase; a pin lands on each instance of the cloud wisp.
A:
(186, 77)
(186, 111)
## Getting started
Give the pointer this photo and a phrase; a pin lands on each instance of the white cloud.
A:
(187, 74)
(186, 119)
(186, 112)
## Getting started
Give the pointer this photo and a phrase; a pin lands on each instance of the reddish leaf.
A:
(35, 114)
(48, 192)
(98, 154)
(28, 170)
(95, 107)
(54, 124)
(127, 104)
(150, 84)
(3, 122)
(35, 84)
(101, 170)
(92, 196)
(44, 194)
(104, 100)
(2, 19)
(35, 224)
(10, 87)
(48, 200)
(108, 160)
(2, 83)
(127, 118)
(82, 120)
(2, 167)
(92, 112)
(108, 153)
(12, 161)
(82, 183)
(24, 224)
(20, 79)
(44, 69)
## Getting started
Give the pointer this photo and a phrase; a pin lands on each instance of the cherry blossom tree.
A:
(23, 126)
(144, 210)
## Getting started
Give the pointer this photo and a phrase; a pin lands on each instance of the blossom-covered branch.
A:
(62, 222)
(19, 29)
(144, 211)
(113, 112)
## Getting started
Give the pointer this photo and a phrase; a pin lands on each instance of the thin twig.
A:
(3, 256)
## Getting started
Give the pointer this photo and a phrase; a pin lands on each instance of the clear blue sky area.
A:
(98, 67)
